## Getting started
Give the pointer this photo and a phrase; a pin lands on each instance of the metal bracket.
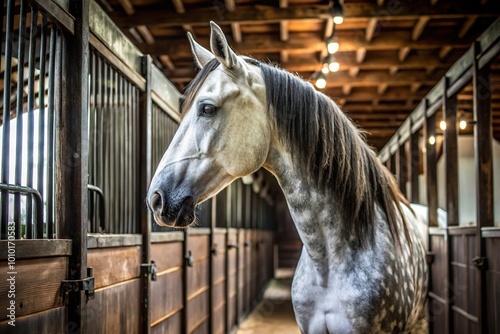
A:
(479, 262)
(230, 246)
(214, 250)
(247, 244)
(429, 257)
(149, 268)
(77, 285)
(189, 259)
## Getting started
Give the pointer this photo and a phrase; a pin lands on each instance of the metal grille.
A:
(31, 72)
(113, 150)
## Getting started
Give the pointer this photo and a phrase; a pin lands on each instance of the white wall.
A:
(467, 182)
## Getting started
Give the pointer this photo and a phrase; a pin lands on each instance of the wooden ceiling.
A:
(391, 52)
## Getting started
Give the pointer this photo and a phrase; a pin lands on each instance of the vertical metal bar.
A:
(19, 119)
(145, 176)
(451, 179)
(135, 157)
(104, 142)
(483, 151)
(98, 164)
(130, 153)
(31, 119)
(41, 111)
(93, 203)
(126, 153)
(108, 147)
(6, 119)
(72, 158)
(403, 169)
(414, 167)
(53, 56)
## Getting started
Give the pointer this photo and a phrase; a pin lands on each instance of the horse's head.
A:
(224, 134)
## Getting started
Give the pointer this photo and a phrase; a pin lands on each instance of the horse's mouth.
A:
(179, 216)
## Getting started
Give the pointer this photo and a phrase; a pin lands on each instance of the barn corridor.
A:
(274, 314)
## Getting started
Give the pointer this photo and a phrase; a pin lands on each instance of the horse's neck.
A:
(316, 216)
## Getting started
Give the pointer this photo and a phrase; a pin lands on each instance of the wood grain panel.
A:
(199, 246)
(493, 284)
(167, 255)
(172, 325)
(198, 310)
(166, 295)
(438, 247)
(219, 293)
(37, 285)
(46, 322)
(198, 276)
(115, 309)
(219, 323)
(202, 328)
(219, 263)
(114, 265)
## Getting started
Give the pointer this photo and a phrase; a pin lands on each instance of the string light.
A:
(332, 45)
(333, 64)
(462, 124)
(337, 12)
(325, 69)
(321, 81)
(432, 140)
(442, 125)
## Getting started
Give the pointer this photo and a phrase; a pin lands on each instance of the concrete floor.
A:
(274, 315)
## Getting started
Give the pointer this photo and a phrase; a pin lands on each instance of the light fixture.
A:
(333, 64)
(432, 140)
(320, 81)
(325, 69)
(442, 125)
(332, 45)
(462, 124)
(337, 12)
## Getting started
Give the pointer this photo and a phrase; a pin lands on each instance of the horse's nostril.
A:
(155, 201)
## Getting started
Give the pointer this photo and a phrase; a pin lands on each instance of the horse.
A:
(362, 268)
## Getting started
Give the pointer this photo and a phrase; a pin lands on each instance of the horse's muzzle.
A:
(169, 210)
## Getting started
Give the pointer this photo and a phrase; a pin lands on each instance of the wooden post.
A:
(145, 147)
(414, 167)
(451, 176)
(185, 279)
(213, 253)
(229, 194)
(72, 157)
(484, 175)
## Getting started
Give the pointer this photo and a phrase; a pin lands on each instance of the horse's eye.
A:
(207, 109)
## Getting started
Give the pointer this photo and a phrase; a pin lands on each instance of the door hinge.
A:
(77, 285)
(479, 262)
(149, 268)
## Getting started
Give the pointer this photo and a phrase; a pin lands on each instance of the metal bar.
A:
(72, 159)
(102, 202)
(19, 119)
(143, 181)
(107, 128)
(135, 156)
(15, 189)
(6, 117)
(31, 118)
(431, 172)
(41, 108)
(451, 168)
(53, 55)
(93, 227)
(483, 151)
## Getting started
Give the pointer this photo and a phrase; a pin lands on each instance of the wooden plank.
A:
(198, 311)
(199, 246)
(172, 324)
(166, 297)
(468, 23)
(115, 309)
(371, 28)
(113, 240)
(198, 277)
(36, 248)
(127, 6)
(414, 167)
(31, 298)
(167, 255)
(419, 27)
(49, 321)
(114, 265)
(360, 55)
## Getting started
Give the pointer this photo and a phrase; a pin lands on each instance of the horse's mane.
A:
(333, 151)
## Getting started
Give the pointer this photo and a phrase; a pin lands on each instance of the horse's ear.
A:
(201, 55)
(220, 48)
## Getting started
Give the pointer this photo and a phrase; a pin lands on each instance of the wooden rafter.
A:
(179, 8)
(127, 6)
(371, 27)
(353, 71)
(445, 50)
(270, 14)
(146, 34)
(403, 53)
(469, 22)
(360, 55)
(419, 27)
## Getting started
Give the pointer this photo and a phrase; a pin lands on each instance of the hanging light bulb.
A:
(333, 64)
(432, 140)
(325, 69)
(332, 45)
(337, 12)
(321, 81)
(462, 124)
(442, 125)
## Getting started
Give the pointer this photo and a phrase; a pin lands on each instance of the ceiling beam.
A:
(270, 14)
(419, 27)
(236, 31)
(371, 27)
(360, 55)
(403, 53)
(230, 5)
(346, 90)
(445, 50)
(353, 71)
(146, 34)
(382, 88)
(308, 42)
(127, 6)
(469, 22)
(179, 8)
